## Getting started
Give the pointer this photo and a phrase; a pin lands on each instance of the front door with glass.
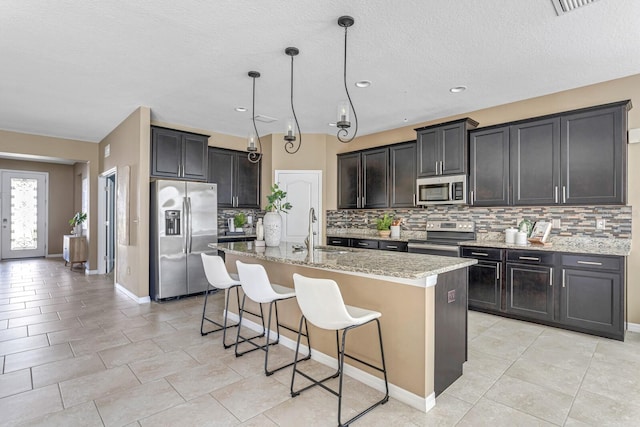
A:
(23, 229)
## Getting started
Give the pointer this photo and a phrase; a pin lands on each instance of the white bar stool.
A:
(321, 303)
(219, 278)
(256, 285)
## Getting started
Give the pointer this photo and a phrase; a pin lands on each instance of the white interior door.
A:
(24, 211)
(304, 191)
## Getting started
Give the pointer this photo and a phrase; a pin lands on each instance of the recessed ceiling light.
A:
(363, 83)
(458, 89)
(241, 109)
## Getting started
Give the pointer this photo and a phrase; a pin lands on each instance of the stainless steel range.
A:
(443, 238)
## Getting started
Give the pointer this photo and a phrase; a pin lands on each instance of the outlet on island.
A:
(600, 224)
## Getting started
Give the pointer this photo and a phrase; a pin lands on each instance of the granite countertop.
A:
(400, 267)
(581, 245)
(360, 233)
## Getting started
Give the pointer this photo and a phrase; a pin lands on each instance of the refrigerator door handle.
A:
(189, 236)
(184, 225)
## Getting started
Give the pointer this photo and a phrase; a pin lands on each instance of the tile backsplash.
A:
(577, 221)
(224, 214)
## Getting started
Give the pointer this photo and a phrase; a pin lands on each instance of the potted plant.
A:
(239, 220)
(384, 225)
(272, 222)
(76, 222)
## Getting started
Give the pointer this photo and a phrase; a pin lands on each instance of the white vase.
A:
(272, 224)
(78, 230)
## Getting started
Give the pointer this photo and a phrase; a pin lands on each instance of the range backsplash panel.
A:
(579, 221)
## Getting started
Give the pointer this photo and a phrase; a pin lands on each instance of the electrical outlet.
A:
(600, 223)
(555, 223)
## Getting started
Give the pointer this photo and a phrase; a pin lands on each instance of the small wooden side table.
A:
(74, 250)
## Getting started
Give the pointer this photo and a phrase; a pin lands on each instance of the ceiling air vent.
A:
(564, 6)
(265, 119)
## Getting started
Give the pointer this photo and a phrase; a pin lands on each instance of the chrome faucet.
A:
(309, 240)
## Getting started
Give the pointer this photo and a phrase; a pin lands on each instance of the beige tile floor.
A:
(75, 352)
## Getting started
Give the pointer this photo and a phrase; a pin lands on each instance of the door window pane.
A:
(24, 214)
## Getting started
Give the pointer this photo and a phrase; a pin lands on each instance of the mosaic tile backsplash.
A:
(577, 221)
(224, 214)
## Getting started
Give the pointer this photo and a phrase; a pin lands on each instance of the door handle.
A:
(190, 225)
(437, 163)
(479, 254)
(551, 277)
(472, 196)
(529, 258)
(589, 263)
(555, 194)
(184, 225)
(563, 278)
(498, 268)
(564, 194)
(441, 167)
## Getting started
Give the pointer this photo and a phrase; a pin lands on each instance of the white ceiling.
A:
(76, 69)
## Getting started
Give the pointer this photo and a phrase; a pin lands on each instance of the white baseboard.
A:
(127, 292)
(398, 393)
(90, 272)
(633, 327)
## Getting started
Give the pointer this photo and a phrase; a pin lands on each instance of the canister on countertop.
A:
(510, 236)
(521, 238)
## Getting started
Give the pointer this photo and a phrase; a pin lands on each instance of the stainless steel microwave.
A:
(442, 190)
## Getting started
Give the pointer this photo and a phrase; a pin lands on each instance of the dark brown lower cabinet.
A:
(580, 292)
(592, 294)
(485, 278)
(530, 291)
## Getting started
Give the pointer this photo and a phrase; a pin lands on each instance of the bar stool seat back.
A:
(321, 303)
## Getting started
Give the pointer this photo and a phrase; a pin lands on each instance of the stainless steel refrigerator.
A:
(184, 220)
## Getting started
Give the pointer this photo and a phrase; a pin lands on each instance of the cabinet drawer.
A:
(592, 262)
(338, 241)
(530, 257)
(364, 243)
(493, 254)
(392, 246)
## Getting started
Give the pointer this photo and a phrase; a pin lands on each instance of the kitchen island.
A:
(422, 299)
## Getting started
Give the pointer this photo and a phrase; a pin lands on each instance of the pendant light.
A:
(343, 108)
(292, 123)
(255, 150)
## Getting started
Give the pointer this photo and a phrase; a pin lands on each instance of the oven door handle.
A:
(431, 246)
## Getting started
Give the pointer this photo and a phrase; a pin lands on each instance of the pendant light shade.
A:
(292, 124)
(255, 150)
(343, 122)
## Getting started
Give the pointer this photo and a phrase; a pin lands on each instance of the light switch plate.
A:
(555, 223)
(600, 223)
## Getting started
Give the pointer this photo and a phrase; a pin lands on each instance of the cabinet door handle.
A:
(563, 278)
(437, 164)
(392, 247)
(472, 197)
(441, 167)
(414, 199)
(551, 277)
(589, 263)
(555, 194)
(529, 258)
(564, 194)
(336, 241)
(498, 268)
(362, 244)
(479, 253)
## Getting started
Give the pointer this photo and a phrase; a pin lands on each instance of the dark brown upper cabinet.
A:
(363, 179)
(402, 175)
(489, 166)
(178, 155)
(238, 179)
(573, 158)
(535, 162)
(442, 148)
(593, 152)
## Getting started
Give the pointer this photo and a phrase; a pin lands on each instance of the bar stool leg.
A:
(225, 325)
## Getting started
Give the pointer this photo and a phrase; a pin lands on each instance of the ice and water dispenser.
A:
(172, 223)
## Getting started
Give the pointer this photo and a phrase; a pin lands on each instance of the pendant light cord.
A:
(253, 156)
(288, 146)
(343, 131)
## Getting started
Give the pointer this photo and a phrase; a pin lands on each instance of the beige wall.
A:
(79, 151)
(130, 146)
(60, 197)
(602, 93)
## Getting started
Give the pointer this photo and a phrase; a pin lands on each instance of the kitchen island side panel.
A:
(407, 322)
